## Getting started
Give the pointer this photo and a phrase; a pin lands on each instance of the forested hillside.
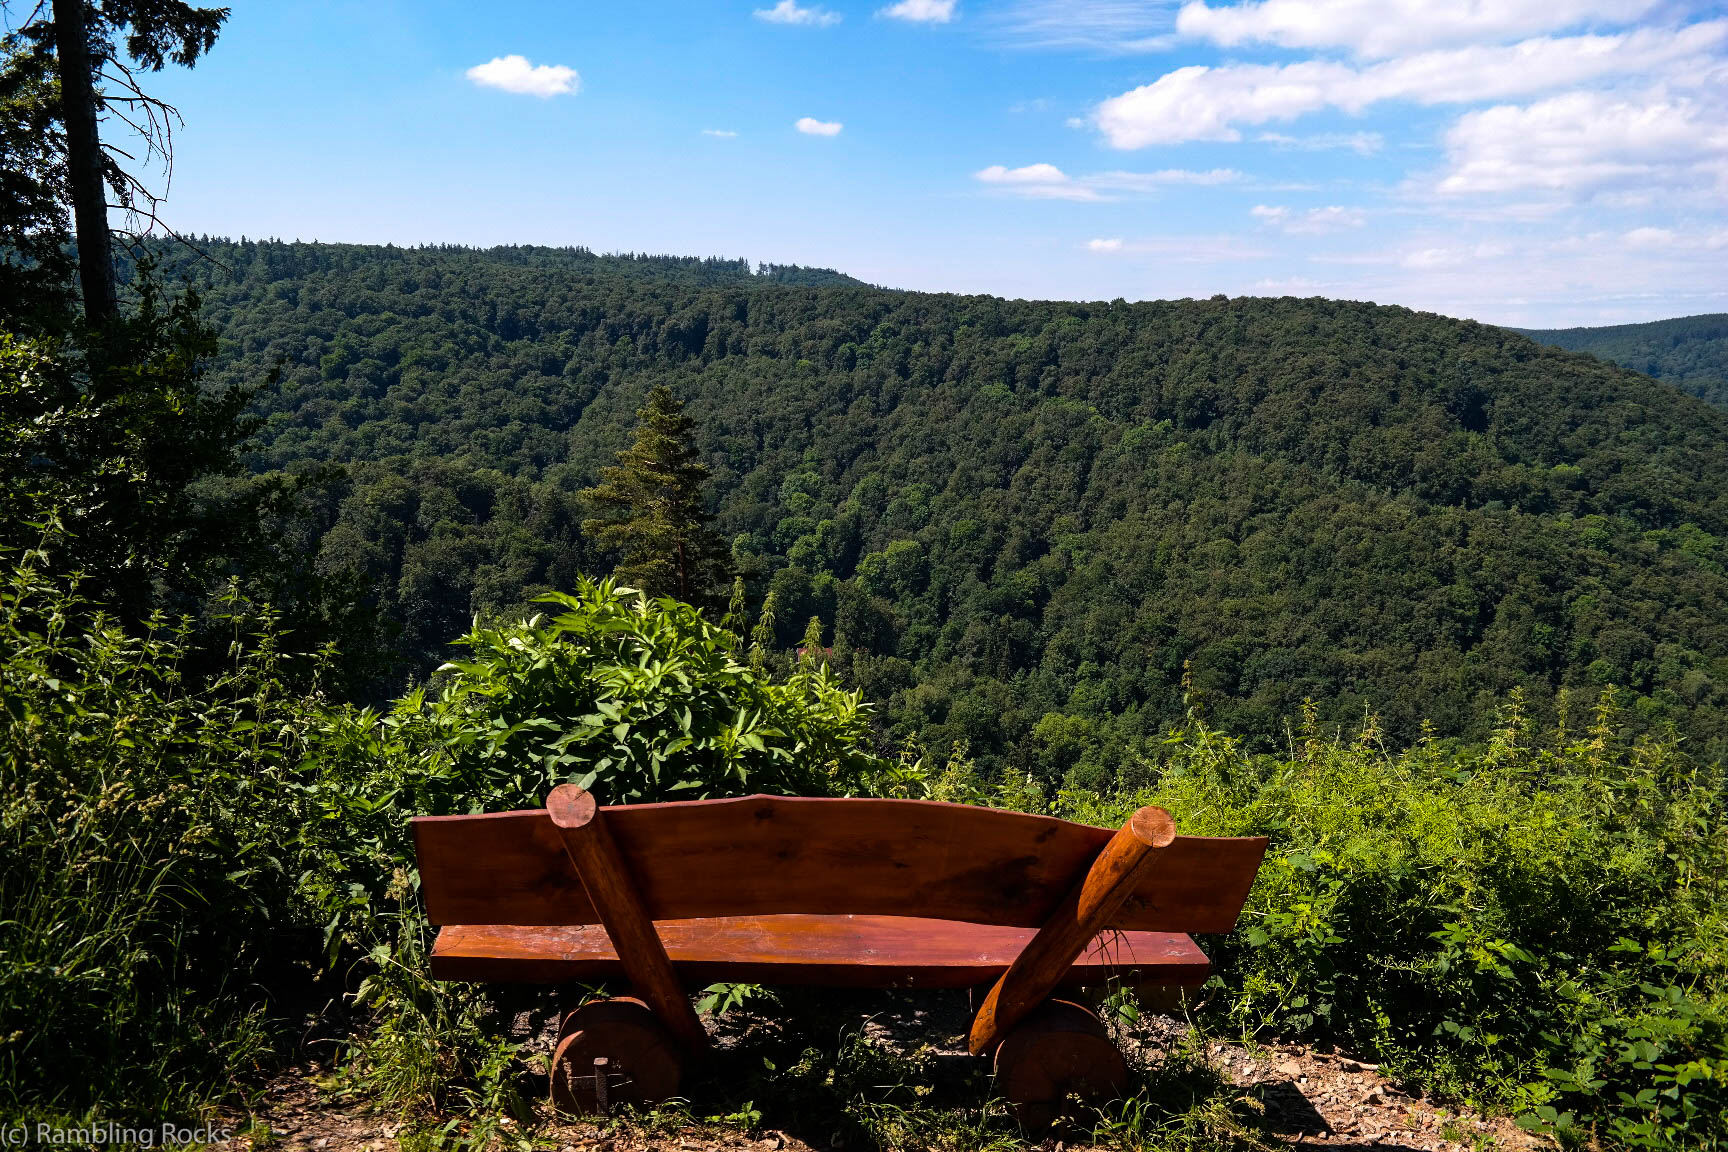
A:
(1017, 521)
(1690, 352)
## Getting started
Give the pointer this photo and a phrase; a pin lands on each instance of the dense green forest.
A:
(1689, 352)
(1016, 521)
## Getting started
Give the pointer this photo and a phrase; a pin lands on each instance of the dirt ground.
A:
(1312, 1099)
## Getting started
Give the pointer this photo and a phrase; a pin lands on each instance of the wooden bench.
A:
(787, 891)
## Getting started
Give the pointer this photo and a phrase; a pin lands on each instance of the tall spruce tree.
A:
(651, 509)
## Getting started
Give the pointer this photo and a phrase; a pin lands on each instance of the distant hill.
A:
(1019, 522)
(1690, 353)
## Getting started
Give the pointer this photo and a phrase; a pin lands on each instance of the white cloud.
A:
(811, 126)
(515, 74)
(1382, 28)
(1361, 143)
(1048, 182)
(1202, 103)
(1107, 27)
(1193, 249)
(788, 12)
(1165, 176)
(1583, 144)
(1314, 222)
(1040, 181)
(1030, 174)
(722, 133)
(922, 11)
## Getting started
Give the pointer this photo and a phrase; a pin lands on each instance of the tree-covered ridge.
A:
(1690, 352)
(1018, 521)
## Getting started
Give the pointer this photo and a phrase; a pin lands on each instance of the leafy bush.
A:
(1538, 925)
(636, 700)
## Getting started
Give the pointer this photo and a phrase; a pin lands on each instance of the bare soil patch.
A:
(1307, 1097)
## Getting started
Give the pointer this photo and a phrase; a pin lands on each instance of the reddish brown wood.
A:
(612, 893)
(767, 855)
(1059, 1052)
(643, 1066)
(812, 951)
(1114, 876)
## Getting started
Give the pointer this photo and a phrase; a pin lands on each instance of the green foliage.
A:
(1018, 522)
(184, 861)
(651, 501)
(120, 458)
(148, 857)
(430, 1048)
(110, 439)
(35, 265)
(1690, 353)
(719, 999)
(636, 700)
(1004, 510)
(1535, 925)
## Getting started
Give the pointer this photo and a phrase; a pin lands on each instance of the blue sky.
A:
(1541, 162)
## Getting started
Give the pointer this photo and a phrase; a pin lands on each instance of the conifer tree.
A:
(651, 509)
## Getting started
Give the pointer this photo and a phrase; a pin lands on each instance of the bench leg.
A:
(1117, 870)
(613, 1052)
(1057, 1054)
(611, 889)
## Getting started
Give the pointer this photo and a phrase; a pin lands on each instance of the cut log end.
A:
(1056, 1060)
(622, 1041)
(570, 806)
(1153, 826)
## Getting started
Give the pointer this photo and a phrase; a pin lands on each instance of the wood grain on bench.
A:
(825, 951)
(772, 855)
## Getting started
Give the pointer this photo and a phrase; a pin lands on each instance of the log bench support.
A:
(582, 827)
(1126, 861)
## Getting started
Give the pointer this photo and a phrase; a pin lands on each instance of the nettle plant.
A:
(638, 700)
(1535, 926)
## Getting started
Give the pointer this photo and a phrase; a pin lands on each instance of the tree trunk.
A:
(84, 160)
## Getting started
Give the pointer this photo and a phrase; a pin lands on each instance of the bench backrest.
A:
(771, 855)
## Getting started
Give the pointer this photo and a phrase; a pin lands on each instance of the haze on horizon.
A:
(1537, 164)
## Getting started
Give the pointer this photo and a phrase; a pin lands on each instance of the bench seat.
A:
(830, 951)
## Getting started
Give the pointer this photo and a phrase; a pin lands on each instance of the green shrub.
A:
(148, 858)
(1535, 926)
(639, 699)
(178, 860)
